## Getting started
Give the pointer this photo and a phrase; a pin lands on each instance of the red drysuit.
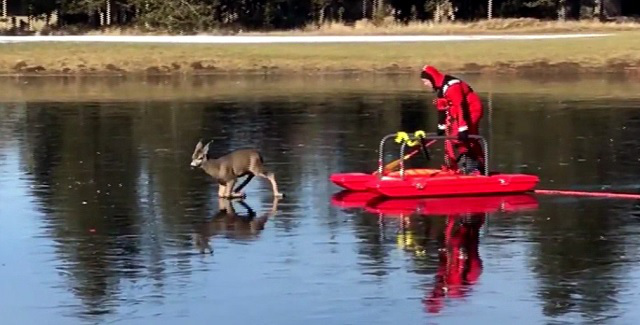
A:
(459, 114)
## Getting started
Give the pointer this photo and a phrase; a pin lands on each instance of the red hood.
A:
(434, 75)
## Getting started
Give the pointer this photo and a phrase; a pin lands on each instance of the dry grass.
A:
(495, 26)
(390, 27)
(620, 52)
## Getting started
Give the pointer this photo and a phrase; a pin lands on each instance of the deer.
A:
(226, 170)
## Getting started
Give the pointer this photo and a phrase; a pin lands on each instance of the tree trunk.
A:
(377, 10)
(570, 9)
(364, 9)
(108, 15)
(490, 9)
(611, 8)
(597, 10)
(562, 10)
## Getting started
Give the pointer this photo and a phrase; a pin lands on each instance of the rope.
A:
(594, 194)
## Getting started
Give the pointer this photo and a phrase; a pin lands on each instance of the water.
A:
(103, 221)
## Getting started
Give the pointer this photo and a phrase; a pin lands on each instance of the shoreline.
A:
(314, 87)
(527, 70)
(113, 56)
(289, 39)
(629, 68)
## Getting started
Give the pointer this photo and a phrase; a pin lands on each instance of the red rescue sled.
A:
(433, 182)
(450, 184)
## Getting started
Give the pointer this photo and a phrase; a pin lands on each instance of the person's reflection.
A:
(456, 239)
(232, 225)
(460, 264)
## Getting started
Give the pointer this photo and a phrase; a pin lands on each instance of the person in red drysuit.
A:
(460, 263)
(459, 114)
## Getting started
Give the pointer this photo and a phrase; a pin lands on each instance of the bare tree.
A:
(490, 9)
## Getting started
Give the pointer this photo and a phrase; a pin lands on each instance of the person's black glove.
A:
(463, 136)
(440, 132)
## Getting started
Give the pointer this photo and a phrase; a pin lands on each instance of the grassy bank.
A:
(617, 53)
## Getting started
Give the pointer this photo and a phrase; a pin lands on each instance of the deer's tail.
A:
(263, 169)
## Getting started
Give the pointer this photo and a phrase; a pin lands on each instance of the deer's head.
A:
(199, 154)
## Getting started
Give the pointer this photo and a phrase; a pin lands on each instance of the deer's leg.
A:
(229, 194)
(259, 170)
(222, 189)
(203, 244)
(250, 213)
(229, 188)
(258, 224)
(272, 179)
(243, 184)
(226, 206)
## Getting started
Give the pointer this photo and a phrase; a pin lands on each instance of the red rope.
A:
(597, 194)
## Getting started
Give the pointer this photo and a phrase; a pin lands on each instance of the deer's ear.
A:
(206, 148)
(199, 145)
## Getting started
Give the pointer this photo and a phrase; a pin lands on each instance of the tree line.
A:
(196, 15)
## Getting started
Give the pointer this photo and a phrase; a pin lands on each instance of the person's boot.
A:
(468, 165)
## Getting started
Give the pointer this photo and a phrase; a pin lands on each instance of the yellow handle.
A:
(402, 136)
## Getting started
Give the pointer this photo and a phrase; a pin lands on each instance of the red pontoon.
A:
(432, 182)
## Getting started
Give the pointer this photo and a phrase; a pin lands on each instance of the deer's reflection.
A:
(227, 222)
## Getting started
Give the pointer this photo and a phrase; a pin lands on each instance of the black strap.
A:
(425, 151)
